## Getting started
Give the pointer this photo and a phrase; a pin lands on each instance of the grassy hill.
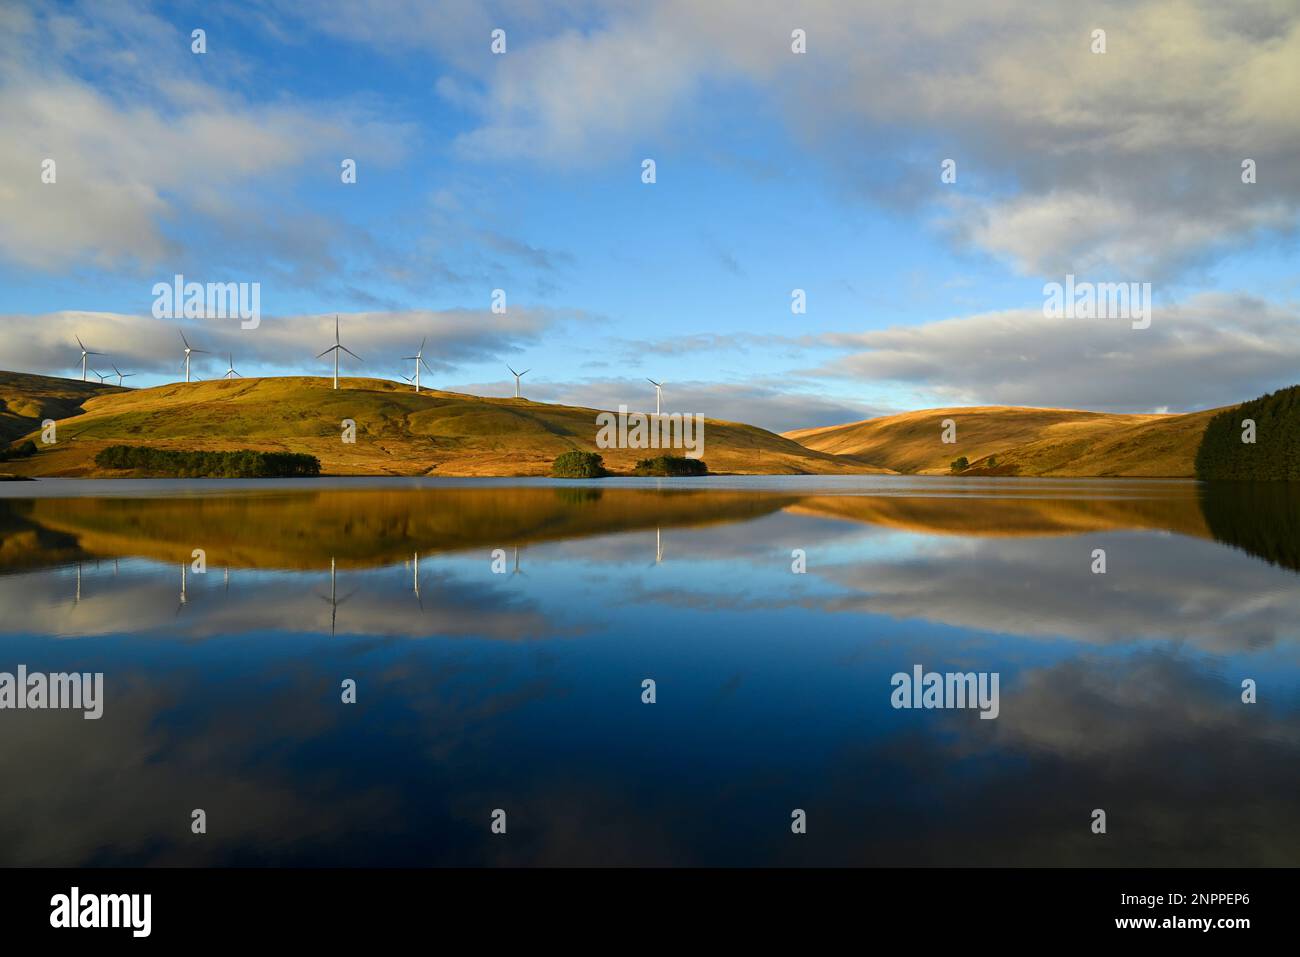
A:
(1060, 442)
(398, 432)
(28, 400)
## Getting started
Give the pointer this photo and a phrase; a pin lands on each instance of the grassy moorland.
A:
(28, 400)
(398, 432)
(1003, 440)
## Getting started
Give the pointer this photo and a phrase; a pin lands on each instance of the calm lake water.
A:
(512, 679)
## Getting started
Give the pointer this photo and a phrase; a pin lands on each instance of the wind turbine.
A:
(188, 350)
(122, 375)
(518, 376)
(659, 392)
(336, 349)
(419, 361)
(102, 375)
(85, 352)
(230, 372)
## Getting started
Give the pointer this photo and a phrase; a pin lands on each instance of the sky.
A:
(775, 171)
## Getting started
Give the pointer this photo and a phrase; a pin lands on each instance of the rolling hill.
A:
(1003, 440)
(27, 400)
(398, 432)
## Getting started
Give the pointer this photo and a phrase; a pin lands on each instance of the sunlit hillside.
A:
(398, 432)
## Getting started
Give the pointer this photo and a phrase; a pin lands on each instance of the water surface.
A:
(499, 632)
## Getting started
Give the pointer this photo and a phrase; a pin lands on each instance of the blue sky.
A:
(775, 171)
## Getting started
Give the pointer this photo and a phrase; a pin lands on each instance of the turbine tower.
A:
(84, 353)
(336, 349)
(189, 349)
(518, 376)
(230, 372)
(659, 392)
(419, 361)
(122, 375)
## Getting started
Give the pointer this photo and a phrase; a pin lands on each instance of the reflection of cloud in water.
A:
(144, 598)
(331, 786)
(1155, 587)
(1187, 774)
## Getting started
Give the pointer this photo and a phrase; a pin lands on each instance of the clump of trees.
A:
(173, 463)
(578, 465)
(23, 450)
(1274, 455)
(960, 464)
(671, 465)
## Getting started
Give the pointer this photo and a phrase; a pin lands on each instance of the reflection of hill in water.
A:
(1179, 511)
(359, 528)
(370, 527)
(1260, 518)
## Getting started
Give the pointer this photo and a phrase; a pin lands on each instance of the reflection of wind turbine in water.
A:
(416, 581)
(77, 599)
(184, 600)
(333, 599)
(518, 570)
(659, 548)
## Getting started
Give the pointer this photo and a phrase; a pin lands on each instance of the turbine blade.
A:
(351, 353)
(426, 365)
(184, 340)
(512, 370)
(327, 351)
(80, 343)
(524, 373)
(422, 342)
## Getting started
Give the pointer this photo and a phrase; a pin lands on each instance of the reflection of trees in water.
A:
(578, 496)
(1262, 518)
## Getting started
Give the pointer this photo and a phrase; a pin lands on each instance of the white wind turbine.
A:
(518, 376)
(659, 392)
(230, 372)
(336, 349)
(102, 375)
(190, 349)
(84, 353)
(419, 361)
(122, 375)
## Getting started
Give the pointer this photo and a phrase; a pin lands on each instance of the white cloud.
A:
(146, 156)
(1213, 349)
(1128, 159)
(45, 343)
